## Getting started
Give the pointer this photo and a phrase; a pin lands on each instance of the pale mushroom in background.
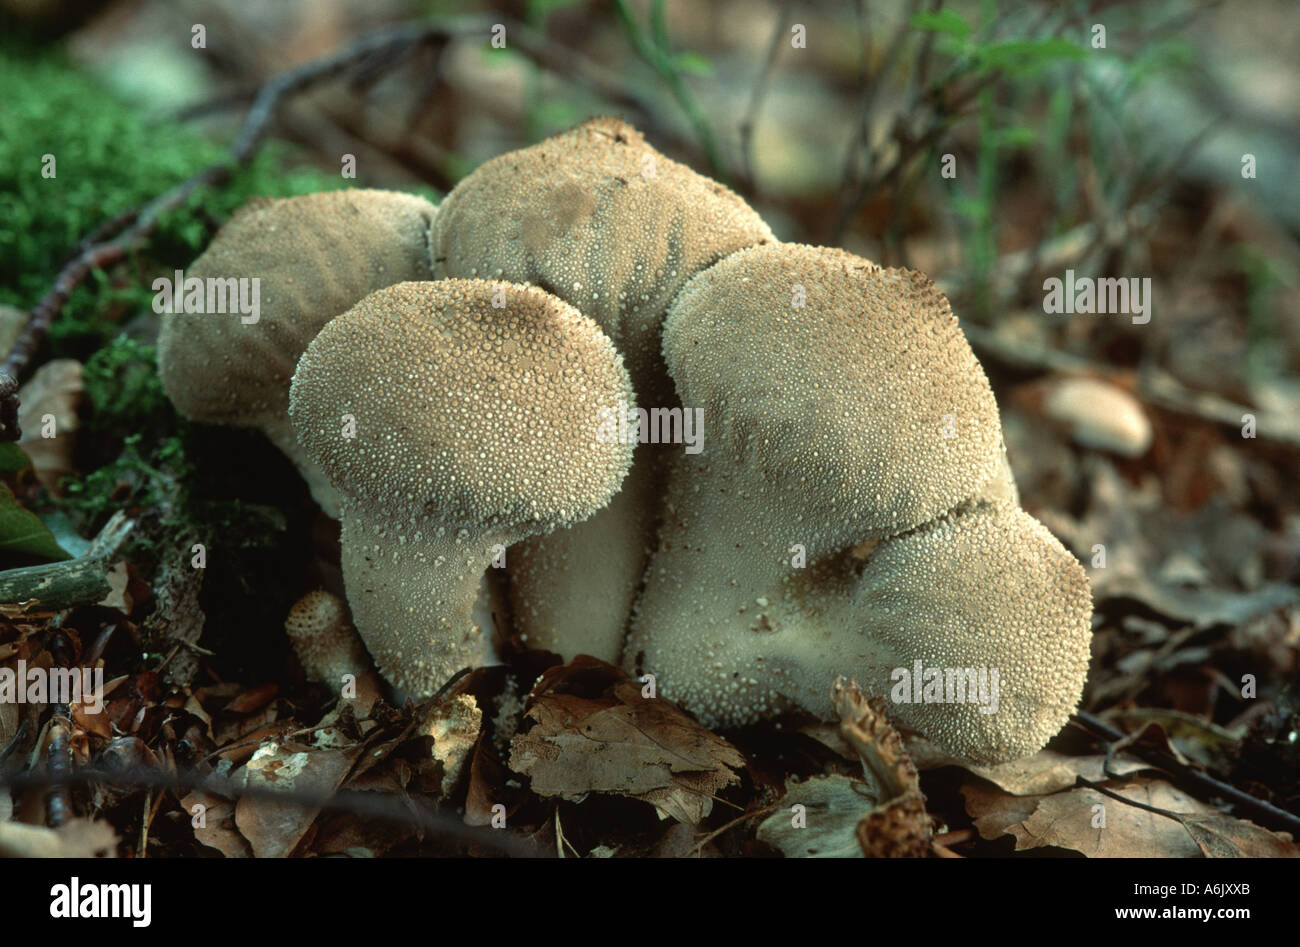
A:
(476, 425)
(315, 256)
(1099, 415)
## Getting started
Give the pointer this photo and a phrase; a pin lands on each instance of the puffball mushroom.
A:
(476, 425)
(314, 257)
(604, 221)
(988, 589)
(859, 419)
(327, 646)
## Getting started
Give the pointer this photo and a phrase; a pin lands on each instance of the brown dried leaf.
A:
(254, 698)
(1070, 820)
(343, 833)
(1223, 836)
(97, 723)
(218, 824)
(486, 782)
(242, 747)
(620, 743)
(1047, 772)
(274, 827)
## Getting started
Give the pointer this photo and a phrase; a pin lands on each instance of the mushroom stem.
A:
(719, 580)
(414, 591)
(572, 590)
(478, 423)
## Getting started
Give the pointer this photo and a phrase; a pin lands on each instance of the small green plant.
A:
(1049, 70)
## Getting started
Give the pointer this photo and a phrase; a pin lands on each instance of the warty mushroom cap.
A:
(601, 219)
(989, 589)
(604, 221)
(315, 257)
(859, 414)
(475, 426)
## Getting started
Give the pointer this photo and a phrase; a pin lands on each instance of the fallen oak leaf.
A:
(819, 817)
(274, 827)
(255, 698)
(488, 787)
(214, 824)
(1047, 772)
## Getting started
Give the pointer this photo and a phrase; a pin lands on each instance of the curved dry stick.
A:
(1192, 779)
(363, 803)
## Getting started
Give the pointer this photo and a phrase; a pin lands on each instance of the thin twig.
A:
(1154, 386)
(1193, 779)
(699, 846)
(661, 62)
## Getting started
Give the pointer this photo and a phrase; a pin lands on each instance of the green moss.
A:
(107, 160)
(125, 394)
(138, 453)
(141, 477)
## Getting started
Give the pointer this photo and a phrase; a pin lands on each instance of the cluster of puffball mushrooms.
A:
(444, 377)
